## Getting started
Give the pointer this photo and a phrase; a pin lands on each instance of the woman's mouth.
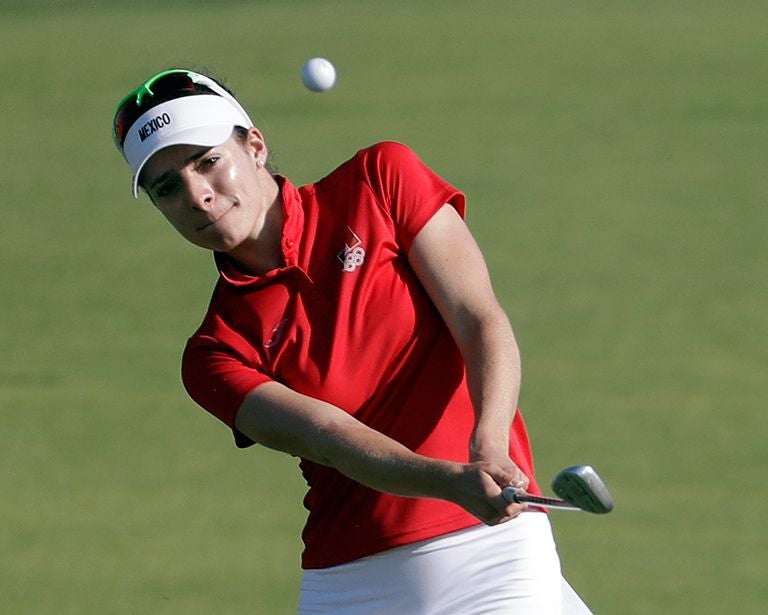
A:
(214, 221)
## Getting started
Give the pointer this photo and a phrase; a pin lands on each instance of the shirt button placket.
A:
(289, 252)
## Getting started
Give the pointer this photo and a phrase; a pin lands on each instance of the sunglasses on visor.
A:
(162, 87)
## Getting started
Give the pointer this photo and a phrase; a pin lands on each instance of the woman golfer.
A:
(353, 325)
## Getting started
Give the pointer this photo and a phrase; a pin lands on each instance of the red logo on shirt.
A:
(353, 254)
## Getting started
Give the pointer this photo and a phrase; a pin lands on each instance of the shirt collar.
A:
(293, 224)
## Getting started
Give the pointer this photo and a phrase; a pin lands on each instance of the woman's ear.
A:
(256, 146)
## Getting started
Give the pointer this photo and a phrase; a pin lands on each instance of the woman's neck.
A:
(263, 251)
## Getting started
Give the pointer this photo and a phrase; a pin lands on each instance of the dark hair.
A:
(239, 132)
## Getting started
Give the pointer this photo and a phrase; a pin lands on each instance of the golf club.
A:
(580, 488)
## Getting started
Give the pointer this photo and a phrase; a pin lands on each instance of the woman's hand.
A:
(501, 458)
(478, 488)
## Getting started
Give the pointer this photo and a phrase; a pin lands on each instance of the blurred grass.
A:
(612, 155)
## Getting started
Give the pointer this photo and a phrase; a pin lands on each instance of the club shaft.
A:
(514, 495)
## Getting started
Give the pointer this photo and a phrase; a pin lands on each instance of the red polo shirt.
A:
(347, 321)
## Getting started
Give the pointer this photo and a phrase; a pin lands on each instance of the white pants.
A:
(510, 569)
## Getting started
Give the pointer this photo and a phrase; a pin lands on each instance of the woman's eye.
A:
(165, 189)
(210, 161)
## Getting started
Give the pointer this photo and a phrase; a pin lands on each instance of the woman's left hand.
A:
(501, 459)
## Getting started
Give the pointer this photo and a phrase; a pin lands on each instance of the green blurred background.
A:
(612, 155)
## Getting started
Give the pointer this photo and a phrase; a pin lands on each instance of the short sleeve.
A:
(408, 189)
(218, 381)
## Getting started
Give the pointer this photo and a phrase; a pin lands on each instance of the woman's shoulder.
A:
(386, 147)
(370, 161)
(386, 151)
(380, 166)
(386, 159)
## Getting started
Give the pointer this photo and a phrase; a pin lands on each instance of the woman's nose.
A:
(200, 193)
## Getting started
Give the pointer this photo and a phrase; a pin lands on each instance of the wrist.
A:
(489, 444)
(440, 479)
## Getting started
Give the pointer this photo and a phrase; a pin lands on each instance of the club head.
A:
(581, 486)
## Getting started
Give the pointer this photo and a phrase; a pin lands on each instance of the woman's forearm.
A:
(282, 419)
(279, 418)
(493, 367)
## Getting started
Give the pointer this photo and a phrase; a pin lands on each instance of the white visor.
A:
(205, 120)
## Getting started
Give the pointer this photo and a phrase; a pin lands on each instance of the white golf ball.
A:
(318, 74)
